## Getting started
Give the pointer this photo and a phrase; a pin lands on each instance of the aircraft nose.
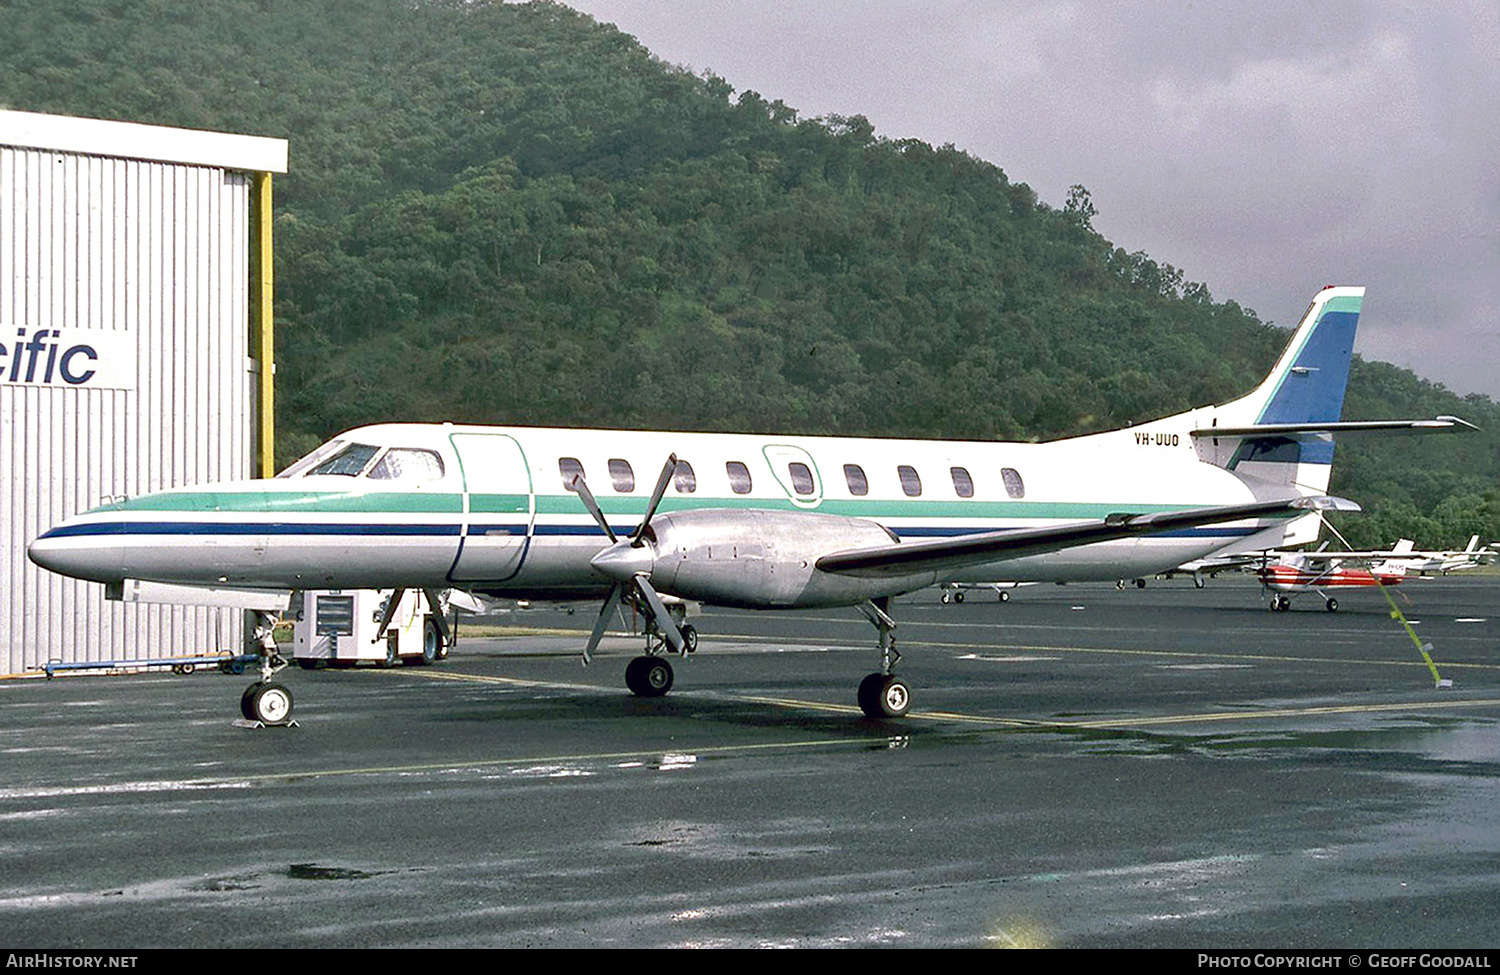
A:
(623, 561)
(81, 557)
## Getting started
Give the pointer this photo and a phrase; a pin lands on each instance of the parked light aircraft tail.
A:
(746, 520)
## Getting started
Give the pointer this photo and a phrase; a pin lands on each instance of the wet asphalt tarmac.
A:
(1083, 767)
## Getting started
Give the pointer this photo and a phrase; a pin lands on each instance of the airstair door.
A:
(499, 508)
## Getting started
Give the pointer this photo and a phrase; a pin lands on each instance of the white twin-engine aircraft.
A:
(746, 520)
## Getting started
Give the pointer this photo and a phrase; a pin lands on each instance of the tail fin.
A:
(1305, 387)
(1308, 381)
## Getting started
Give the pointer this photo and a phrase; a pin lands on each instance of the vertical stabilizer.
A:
(1307, 384)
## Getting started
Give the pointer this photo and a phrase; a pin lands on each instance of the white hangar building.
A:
(135, 319)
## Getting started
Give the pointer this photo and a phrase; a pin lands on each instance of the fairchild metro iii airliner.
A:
(747, 520)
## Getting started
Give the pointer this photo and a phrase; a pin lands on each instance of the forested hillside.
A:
(510, 213)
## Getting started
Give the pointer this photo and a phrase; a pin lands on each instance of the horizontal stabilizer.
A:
(1442, 424)
(942, 554)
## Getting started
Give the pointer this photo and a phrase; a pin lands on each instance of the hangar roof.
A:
(153, 143)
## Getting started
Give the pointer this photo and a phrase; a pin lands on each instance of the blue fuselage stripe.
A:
(206, 528)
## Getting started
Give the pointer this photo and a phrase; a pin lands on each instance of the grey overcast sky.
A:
(1263, 147)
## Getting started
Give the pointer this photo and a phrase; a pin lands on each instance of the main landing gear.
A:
(1281, 602)
(883, 694)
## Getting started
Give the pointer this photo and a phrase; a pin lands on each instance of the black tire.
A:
(247, 708)
(689, 637)
(882, 696)
(1004, 596)
(1332, 604)
(958, 597)
(649, 676)
(432, 642)
(269, 704)
(391, 657)
(1140, 583)
(945, 598)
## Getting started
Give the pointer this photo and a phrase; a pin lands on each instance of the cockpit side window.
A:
(408, 464)
(349, 462)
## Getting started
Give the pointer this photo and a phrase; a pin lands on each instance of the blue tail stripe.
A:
(1313, 390)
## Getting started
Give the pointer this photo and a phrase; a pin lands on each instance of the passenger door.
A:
(499, 508)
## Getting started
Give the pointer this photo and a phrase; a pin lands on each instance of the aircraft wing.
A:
(938, 554)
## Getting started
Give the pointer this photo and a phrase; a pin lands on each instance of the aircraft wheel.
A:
(1197, 582)
(1140, 583)
(946, 597)
(432, 642)
(958, 597)
(648, 676)
(246, 708)
(1332, 604)
(1281, 603)
(1004, 596)
(884, 696)
(267, 703)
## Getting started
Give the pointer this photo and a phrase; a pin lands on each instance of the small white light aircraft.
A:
(1454, 560)
(746, 520)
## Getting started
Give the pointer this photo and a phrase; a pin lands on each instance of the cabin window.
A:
(911, 483)
(963, 484)
(1014, 486)
(684, 479)
(621, 475)
(348, 462)
(854, 476)
(408, 464)
(739, 477)
(569, 468)
(802, 479)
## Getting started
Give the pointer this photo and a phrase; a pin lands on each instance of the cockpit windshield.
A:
(315, 458)
(350, 461)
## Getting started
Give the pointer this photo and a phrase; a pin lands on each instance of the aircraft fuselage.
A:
(488, 509)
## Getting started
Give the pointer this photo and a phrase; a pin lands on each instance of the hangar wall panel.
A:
(148, 261)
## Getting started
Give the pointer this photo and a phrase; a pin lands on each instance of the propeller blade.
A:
(582, 487)
(656, 496)
(611, 603)
(659, 614)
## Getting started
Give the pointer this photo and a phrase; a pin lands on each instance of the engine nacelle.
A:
(759, 559)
